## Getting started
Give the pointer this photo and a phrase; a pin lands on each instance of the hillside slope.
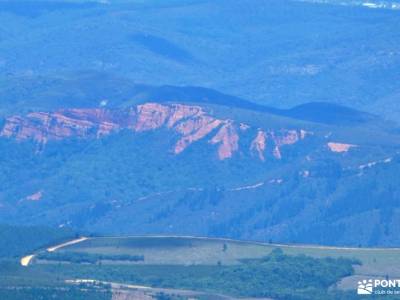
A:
(203, 169)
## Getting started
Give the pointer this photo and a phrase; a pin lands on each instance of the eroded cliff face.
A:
(191, 123)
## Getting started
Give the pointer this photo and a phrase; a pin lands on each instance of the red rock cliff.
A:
(190, 122)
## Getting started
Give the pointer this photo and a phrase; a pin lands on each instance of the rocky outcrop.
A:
(259, 144)
(190, 123)
(340, 147)
(79, 123)
(227, 139)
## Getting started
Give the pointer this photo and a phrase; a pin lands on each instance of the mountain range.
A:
(273, 52)
(218, 166)
(182, 149)
(263, 120)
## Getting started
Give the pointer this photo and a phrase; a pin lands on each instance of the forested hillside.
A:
(16, 241)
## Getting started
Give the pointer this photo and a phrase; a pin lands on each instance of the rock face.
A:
(259, 144)
(340, 147)
(190, 123)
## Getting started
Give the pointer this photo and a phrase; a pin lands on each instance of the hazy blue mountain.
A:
(278, 53)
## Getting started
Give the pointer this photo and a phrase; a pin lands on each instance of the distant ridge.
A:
(320, 112)
(329, 113)
(89, 89)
